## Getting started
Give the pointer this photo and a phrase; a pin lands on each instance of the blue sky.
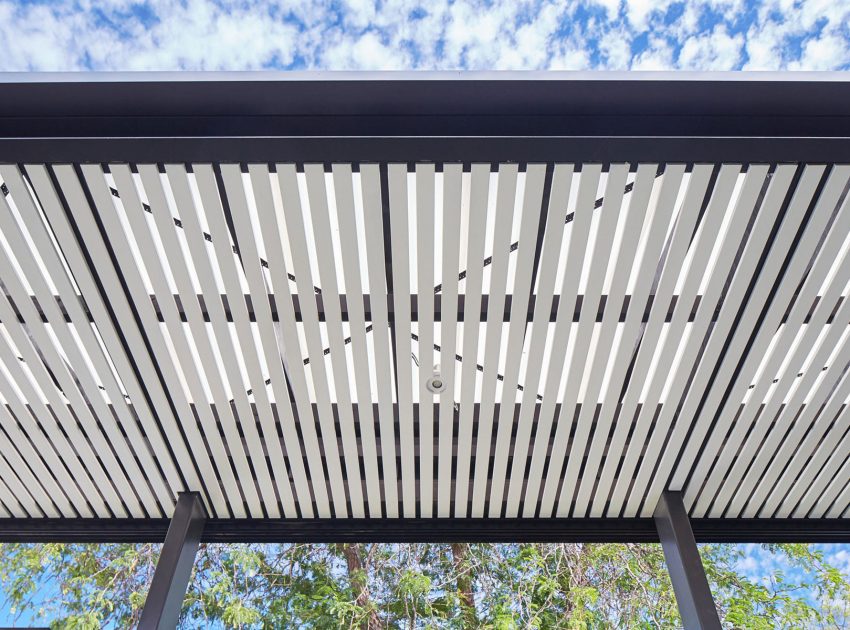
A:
(427, 35)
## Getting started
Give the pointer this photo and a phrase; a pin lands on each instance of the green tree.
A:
(369, 586)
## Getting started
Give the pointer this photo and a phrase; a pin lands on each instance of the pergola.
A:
(425, 307)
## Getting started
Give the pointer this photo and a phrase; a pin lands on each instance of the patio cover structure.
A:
(505, 307)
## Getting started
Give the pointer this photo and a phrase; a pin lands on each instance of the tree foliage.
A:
(373, 586)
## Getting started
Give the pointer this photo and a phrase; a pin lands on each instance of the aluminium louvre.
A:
(244, 284)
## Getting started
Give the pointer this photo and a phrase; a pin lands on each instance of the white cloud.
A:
(823, 53)
(657, 56)
(205, 37)
(611, 7)
(442, 34)
(716, 50)
(639, 11)
(823, 25)
(615, 46)
(567, 58)
(365, 51)
(841, 560)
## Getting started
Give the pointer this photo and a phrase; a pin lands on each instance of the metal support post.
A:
(171, 578)
(693, 595)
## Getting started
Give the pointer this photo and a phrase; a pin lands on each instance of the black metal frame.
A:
(470, 117)
(491, 118)
(576, 149)
(637, 530)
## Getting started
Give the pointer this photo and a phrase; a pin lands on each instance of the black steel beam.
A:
(174, 568)
(635, 530)
(693, 595)
(438, 307)
(438, 310)
(468, 117)
(112, 105)
(490, 150)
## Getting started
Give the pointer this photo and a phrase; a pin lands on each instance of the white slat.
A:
(102, 372)
(23, 450)
(399, 231)
(370, 180)
(343, 180)
(249, 448)
(807, 182)
(625, 261)
(90, 407)
(649, 342)
(155, 269)
(819, 483)
(750, 190)
(19, 501)
(807, 454)
(810, 454)
(55, 437)
(535, 175)
(559, 195)
(134, 364)
(179, 267)
(318, 202)
(578, 239)
(48, 254)
(841, 506)
(66, 381)
(425, 210)
(631, 334)
(747, 322)
(192, 372)
(271, 223)
(452, 174)
(31, 440)
(599, 261)
(479, 189)
(6, 495)
(701, 246)
(835, 501)
(782, 244)
(239, 451)
(234, 186)
(775, 340)
(505, 203)
(39, 500)
(751, 489)
(96, 249)
(294, 217)
(610, 211)
(246, 348)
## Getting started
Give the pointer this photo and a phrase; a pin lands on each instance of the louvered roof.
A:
(252, 301)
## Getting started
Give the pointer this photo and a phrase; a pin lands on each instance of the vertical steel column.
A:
(693, 595)
(171, 578)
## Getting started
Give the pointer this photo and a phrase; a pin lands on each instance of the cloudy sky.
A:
(428, 35)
